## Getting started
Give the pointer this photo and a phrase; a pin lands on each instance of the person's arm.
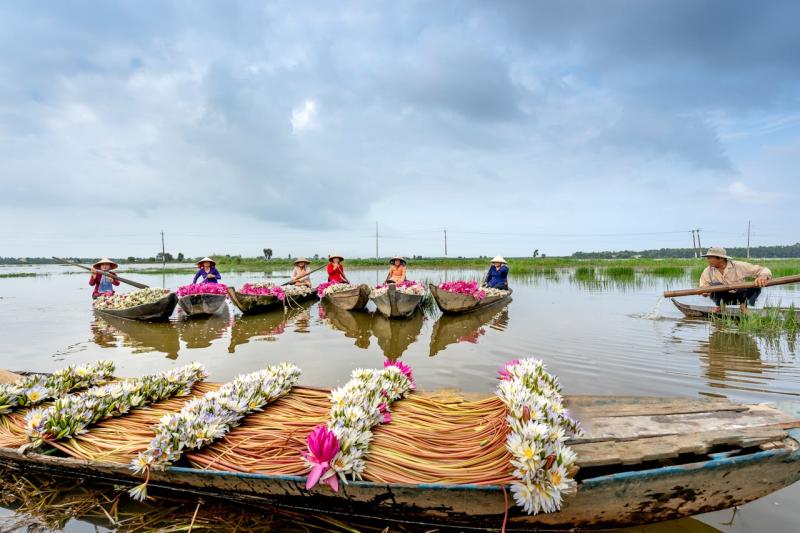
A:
(196, 275)
(216, 273)
(114, 280)
(760, 273)
(94, 279)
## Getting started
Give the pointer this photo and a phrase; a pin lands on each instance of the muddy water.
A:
(600, 334)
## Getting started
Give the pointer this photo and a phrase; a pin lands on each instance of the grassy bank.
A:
(21, 275)
(773, 322)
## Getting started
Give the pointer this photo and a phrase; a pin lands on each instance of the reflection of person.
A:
(300, 273)
(103, 279)
(497, 277)
(336, 269)
(723, 270)
(207, 269)
(397, 270)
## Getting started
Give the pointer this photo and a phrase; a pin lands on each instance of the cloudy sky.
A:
(560, 126)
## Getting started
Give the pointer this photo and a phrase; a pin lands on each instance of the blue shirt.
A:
(497, 278)
(202, 273)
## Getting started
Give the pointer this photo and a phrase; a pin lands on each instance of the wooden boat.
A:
(157, 311)
(395, 336)
(353, 299)
(453, 303)
(641, 460)
(291, 300)
(705, 311)
(467, 327)
(396, 304)
(142, 337)
(250, 304)
(201, 305)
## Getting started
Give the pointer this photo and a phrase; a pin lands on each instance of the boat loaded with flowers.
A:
(522, 458)
(398, 300)
(202, 299)
(344, 295)
(255, 298)
(464, 296)
(149, 305)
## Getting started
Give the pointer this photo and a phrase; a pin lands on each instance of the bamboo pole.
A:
(732, 287)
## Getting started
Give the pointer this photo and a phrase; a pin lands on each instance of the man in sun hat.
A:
(497, 277)
(301, 272)
(723, 270)
(207, 269)
(103, 279)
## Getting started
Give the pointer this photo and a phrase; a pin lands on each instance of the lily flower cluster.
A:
(330, 288)
(263, 289)
(489, 292)
(70, 415)
(337, 449)
(540, 425)
(208, 418)
(202, 288)
(130, 299)
(37, 388)
(296, 291)
(469, 288)
(406, 287)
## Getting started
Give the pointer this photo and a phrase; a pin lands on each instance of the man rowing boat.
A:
(723, 270)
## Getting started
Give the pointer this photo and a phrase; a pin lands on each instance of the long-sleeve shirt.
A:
(297, 271)
(735, 272)
(397, 273)
(336, 273)
(497, 278)
(101, 285)
(201, 273)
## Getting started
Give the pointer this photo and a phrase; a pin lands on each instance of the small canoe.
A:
(396, 304)
(300, 299)
(201, 305)
(157, 311)
(642, 460)
(250, 304)
(453, 303)
(705, 311)
(354, 299)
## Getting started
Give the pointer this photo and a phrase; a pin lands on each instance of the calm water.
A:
(599, 334)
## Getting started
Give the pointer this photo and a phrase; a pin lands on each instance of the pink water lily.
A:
(470, 288)
(503, 373)
(387, 416)
(203, 288)
(322, 448)
(404, 368)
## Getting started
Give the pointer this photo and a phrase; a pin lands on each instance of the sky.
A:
(297, 126)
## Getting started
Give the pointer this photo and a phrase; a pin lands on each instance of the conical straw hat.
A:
(105, 260)
(498, 259)
(203, 260)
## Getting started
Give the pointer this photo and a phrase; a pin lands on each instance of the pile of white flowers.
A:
(35, 389)
(208, 418)
(490, 293)
(406, 287)
(338, 287)
(539, 427)
(70, 415)
(130, 299)
(297, 291)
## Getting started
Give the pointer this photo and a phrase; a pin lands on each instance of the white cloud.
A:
(303, 118)
(744, 193)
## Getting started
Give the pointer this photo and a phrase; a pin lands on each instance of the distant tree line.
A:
(784, 251)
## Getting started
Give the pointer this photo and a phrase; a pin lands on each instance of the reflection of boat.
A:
(142, 337)
(353, 299)
(641, 460)
(356, 326)
(395, 336)
(157, 311)
(467, 327)
(198, 305)
(704, 311)
(201, 333)
(396, 304)
(250, 304)
(264, 325)
(454, 303)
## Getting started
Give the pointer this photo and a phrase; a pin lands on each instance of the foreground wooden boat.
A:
(250, 304)
(454, 303)
(157, 311)
(642, 460)
(396, 304)
(353, 299)
(201, 305)
(705, 311)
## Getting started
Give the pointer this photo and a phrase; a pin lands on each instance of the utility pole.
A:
(445, 242)
(748, 239)
(376, 240)
(699, 246)
(163, 252)
(694, 245)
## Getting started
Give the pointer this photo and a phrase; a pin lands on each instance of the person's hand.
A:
(212, 276)
(94, 271)
(761, 281)
(705, 294)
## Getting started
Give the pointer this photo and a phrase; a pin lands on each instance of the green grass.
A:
(773, 322)
(22, 275)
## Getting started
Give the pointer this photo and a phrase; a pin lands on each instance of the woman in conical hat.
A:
(397, 270)
(207, 269)
(300, 272)
(103, 279)
(336, 269)
(497, 277)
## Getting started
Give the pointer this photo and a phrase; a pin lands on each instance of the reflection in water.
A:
(267, 326)
(729, 352)
(143, 337)
(396, 335)
(469, 327)
(199, 333)
(355, 324)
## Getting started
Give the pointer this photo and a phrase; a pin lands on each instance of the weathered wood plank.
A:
(631, 406)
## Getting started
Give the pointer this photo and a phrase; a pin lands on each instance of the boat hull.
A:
(354, 299)
(201, 305)
(705, 311)
(396, 304)
(454, 303)
(250, 304)
(158, 311)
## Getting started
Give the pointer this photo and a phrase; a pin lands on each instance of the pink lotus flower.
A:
(202, 288)
(387, 416)
(322, 448)
(263, 290)
(503, 373)
(404, 368)
(322, 286)
(470, 288)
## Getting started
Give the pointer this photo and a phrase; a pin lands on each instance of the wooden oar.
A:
(303, 276)
(106, 274)
(733, 286)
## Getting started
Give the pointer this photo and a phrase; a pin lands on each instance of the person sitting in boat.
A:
(300, 272)
(103, 279)
(397, 270)
(336, 269)
(497, 277)
(207, 269)
(723, 270)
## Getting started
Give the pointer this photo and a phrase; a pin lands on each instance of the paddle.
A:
(732, 287)
(106, 274)
(304, 275)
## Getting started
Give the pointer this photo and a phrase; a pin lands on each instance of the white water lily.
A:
(130, 299)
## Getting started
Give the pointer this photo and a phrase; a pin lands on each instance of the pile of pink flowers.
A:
(470, 288)
(263, 289)
(203, 288)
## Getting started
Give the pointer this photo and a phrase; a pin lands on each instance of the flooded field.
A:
(601, 332)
